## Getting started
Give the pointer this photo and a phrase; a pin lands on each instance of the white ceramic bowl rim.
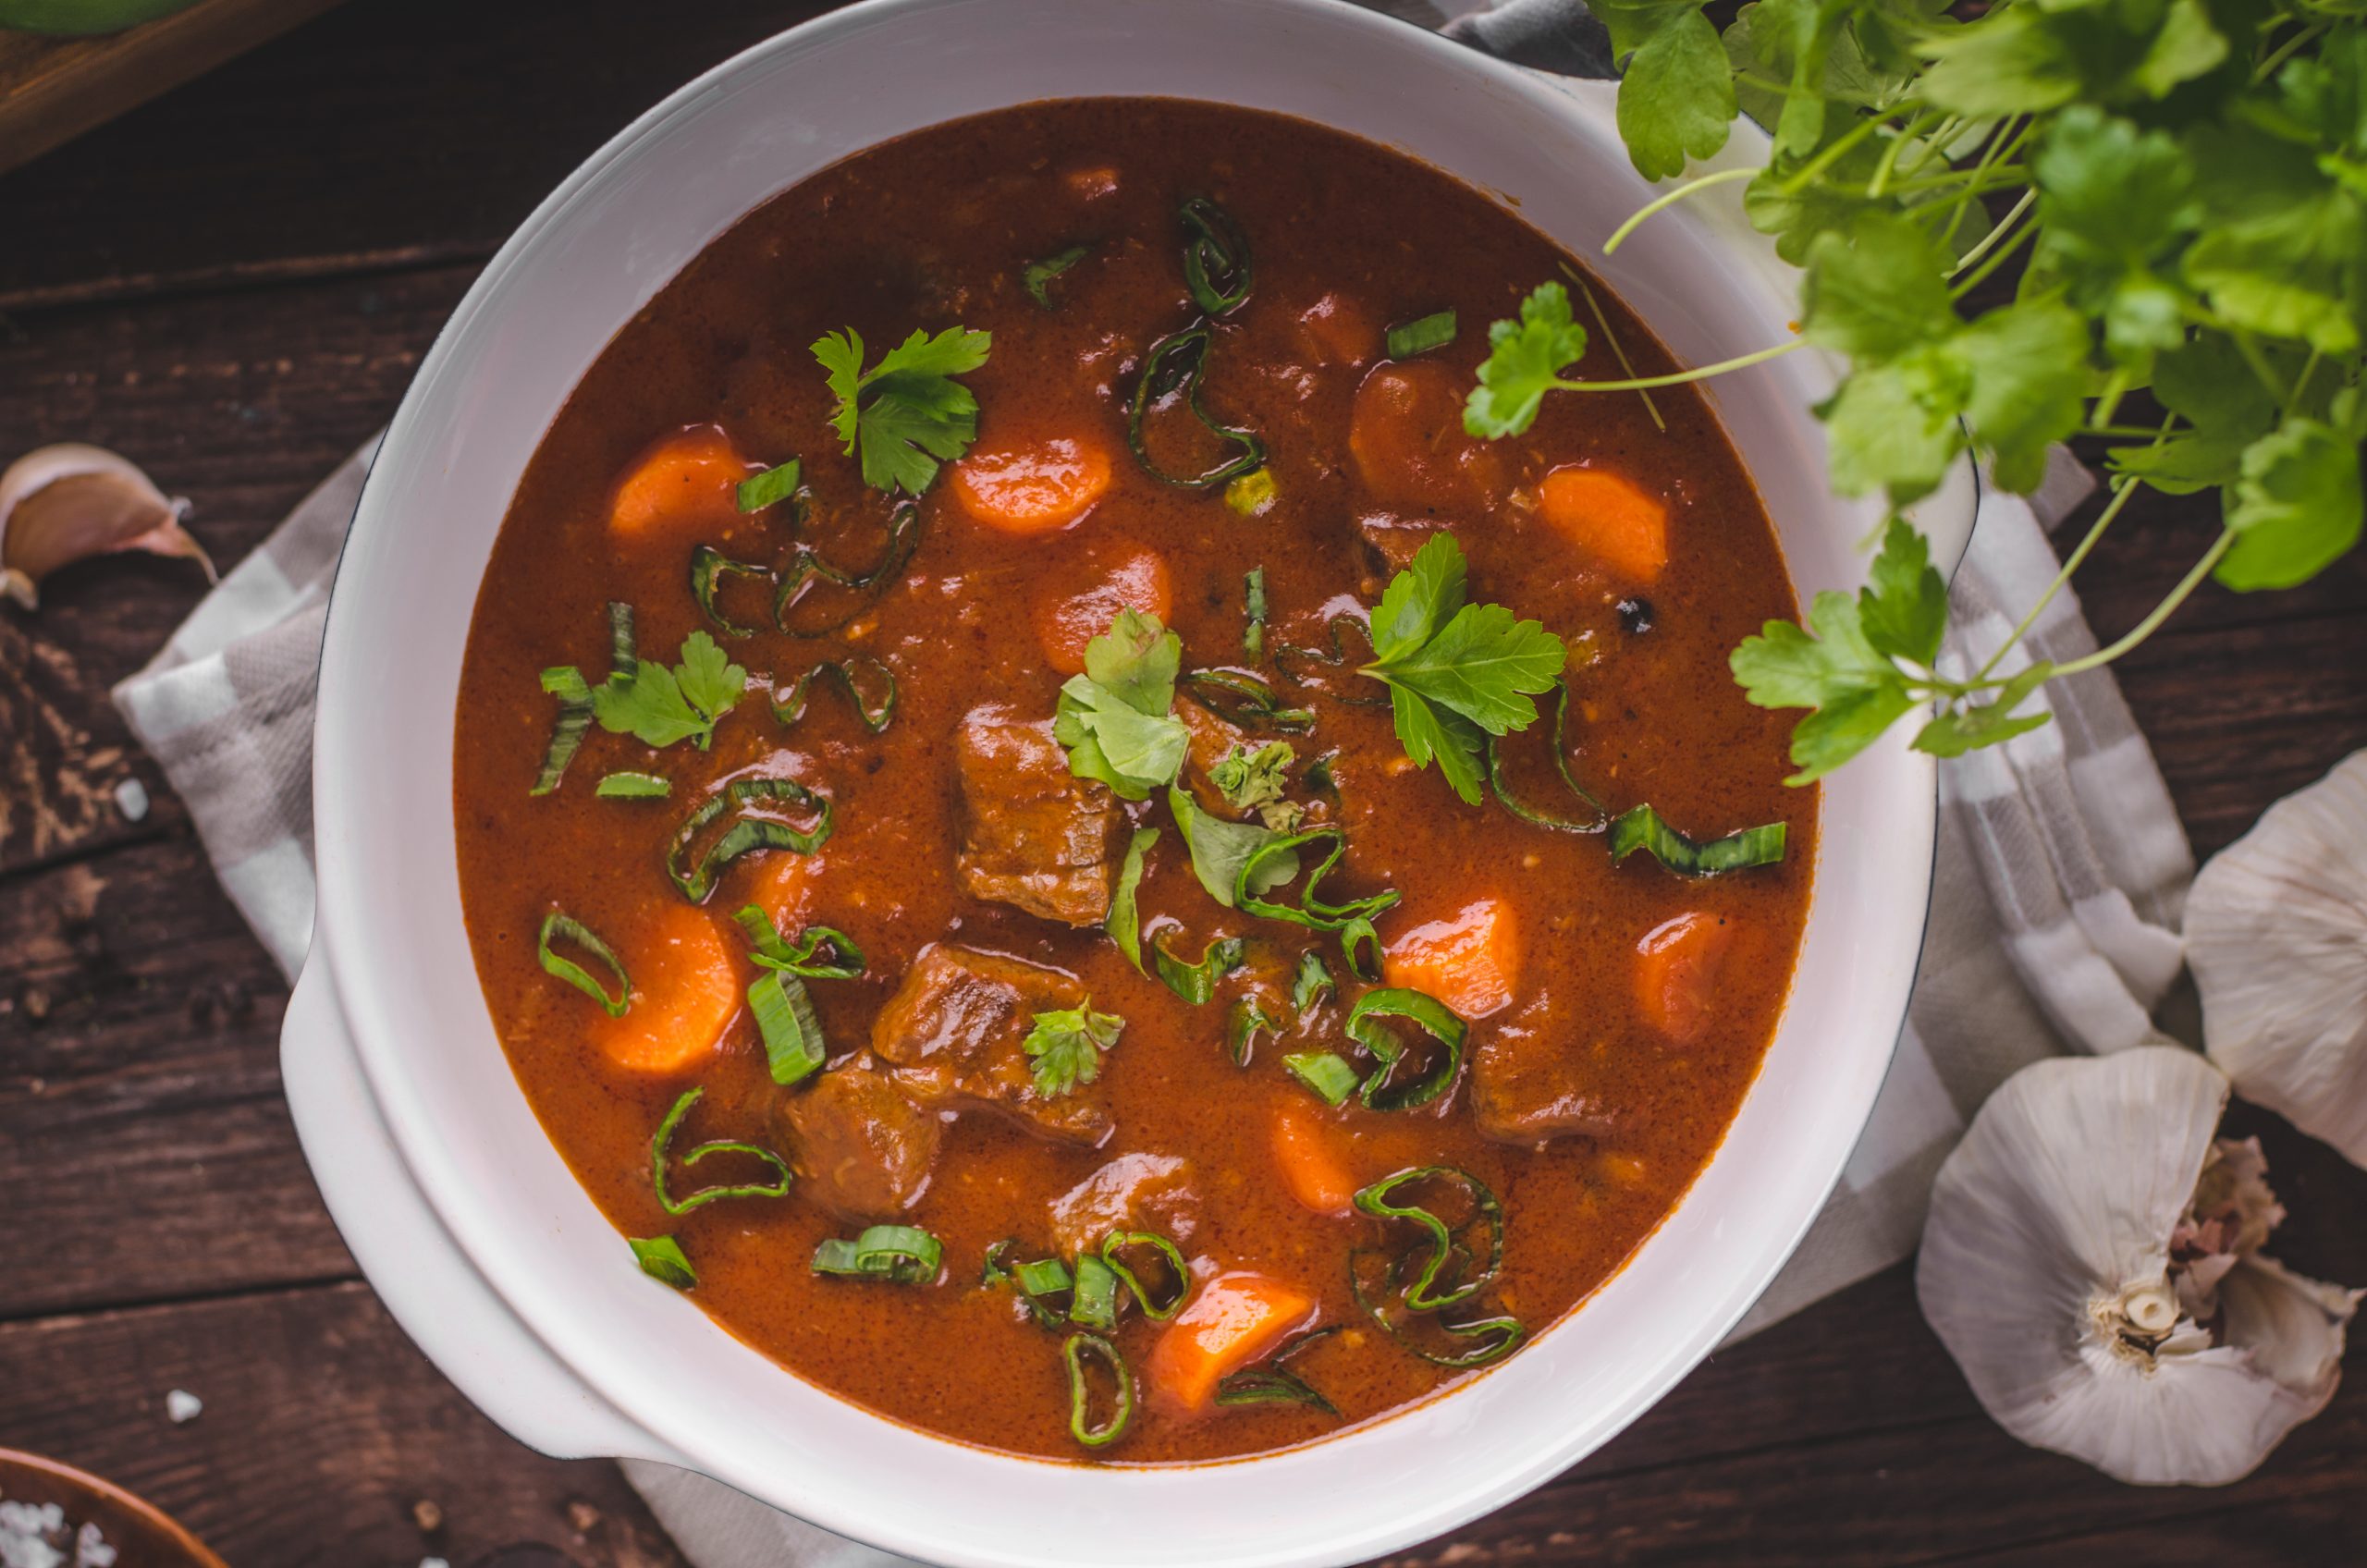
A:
(389, 923)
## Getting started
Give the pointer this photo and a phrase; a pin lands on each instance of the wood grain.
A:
(54, 88)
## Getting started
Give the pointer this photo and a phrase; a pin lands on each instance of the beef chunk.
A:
(954, 1032)
(1528, 1085)
(1134, 1192)
(861, 1148)
(1038, 837)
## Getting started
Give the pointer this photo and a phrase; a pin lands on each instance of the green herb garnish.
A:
(1066, 1047)
(761, 490)
(1457, 673)
(568, 928)
(1328, 1075)
(1196, 982)
(1382, 1090)
(1036, 275)
(1158, 1308)
(743, 798)
(906, 413)
(662, 1258)
(1124, 921)
(1075, 1351)
(1419, 336)
(1216, 257)
(658, 706)
(565, 683)
(1221, 850)
(869, 685)
(1116, 719)
(778, 1187)
(1173, 368)
(900, 1254)
(1640, 828)
(1092, 1299)
(1249, 779)
(1253, 633)
(628, 785)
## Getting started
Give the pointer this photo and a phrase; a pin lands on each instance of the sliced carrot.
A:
(1312, 1168)
(1032, 489)
(687, 480)
(1406, 433)
(1066, 624)
(1470, 961)
(1677, 965)
(1231, 1321)
(1337, 330)
(685, 990)
(1610, 518)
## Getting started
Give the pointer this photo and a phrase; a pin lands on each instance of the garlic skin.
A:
(2276, 935)
(65, 503)
(2048, 1270)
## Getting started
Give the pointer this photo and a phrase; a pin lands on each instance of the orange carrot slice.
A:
(1677, 965)
(1470, 961)
(1611, 519)
(1312, 1168)
(685, 990)
(1033, 489)
(689, 480)
(1230, 1322)
(1065, 625)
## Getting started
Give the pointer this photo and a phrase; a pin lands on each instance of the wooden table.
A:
(233, 286)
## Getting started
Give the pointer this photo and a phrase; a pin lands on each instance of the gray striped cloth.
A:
(2061, 869)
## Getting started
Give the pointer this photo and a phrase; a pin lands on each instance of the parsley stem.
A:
(1701, 372)
(2248, 346)
(1619, 352)
(1882, 170)
(1998, 255)
(2071, 563)
(1670, 198)
(2162, 612)
(1840, 148)
(2283, 50)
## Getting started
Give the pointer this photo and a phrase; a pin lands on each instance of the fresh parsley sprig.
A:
(1456, 672)
(906, 413)
(1064, 1048)
(2184, 187)
(659, 707)
(1117, 718)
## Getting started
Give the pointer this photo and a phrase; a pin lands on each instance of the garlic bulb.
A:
(2090, 1262)
(2277, 933)
(61, 504)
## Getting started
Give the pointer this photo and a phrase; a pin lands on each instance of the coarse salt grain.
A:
(181, 1406)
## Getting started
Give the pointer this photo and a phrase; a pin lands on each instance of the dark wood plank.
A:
(323, 1431)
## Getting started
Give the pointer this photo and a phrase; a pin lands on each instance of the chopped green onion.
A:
(1215, 256)
(795, 1050)
(1075, 1351)
(1595, 817)
(1124, 921)
(1196, 983)
(1360, 946)
(623, 664)
(1245, 700)
(820, 953)
(990, 1267)
(1113, 1247)
(1045, 1276)
(1094, 1302)
(633, 787)
(565, 683)
(1447, 1257)
(761, 490)
(1314, 912)
(1249, 1019)
(1419, 336)
(1252, 494)
(1035, 276)
(805, 567)
(745, 833)
(709, 566)
(1312, 983)
(1640, 828)
(901, 1254)
(1270, 1384)
(1173, 366)
(1252, 636)
(1498, 1336)
(870, 686)
(1331, 1078)
(657, 1147)
(1382, 1090)
(574, 930)
(662, 1258)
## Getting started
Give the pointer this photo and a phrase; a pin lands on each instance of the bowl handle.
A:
(417, 1268)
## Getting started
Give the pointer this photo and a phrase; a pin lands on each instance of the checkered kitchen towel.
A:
(2062, 866)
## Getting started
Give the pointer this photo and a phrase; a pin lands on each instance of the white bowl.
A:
(439, 1176)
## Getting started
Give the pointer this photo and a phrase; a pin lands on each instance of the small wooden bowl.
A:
(141, 1535)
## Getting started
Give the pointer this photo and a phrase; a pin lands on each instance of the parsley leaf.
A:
(1066, 1047)
(1953, 734)
(1220, 849)
(1676, 92)
(659, 707)
(1456, 672)
(906, 413)
(1115, 718)
(1249, 779)
(1524, 361)
(2295, 508)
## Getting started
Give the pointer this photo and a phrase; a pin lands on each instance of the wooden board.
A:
(233, 285)
(54, 88)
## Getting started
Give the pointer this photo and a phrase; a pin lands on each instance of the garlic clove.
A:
(65, 503)
(2047, 1271)
(2277, 933)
